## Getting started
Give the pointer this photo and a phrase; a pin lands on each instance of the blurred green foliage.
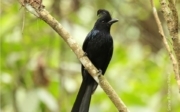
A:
(39, 73)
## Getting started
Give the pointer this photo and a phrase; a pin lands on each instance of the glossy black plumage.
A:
(98, 46)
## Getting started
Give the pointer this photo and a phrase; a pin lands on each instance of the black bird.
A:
(98, 46)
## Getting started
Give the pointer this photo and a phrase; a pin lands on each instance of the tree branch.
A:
(36, 8)
(172, 29)
(170, 14)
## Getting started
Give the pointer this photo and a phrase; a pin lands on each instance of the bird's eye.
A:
(102, 21)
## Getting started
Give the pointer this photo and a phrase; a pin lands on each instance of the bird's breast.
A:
(99, 43)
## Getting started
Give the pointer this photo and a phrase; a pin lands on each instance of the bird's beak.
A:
(112, 21)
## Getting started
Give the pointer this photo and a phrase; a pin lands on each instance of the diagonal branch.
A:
(36, 8)
(172, 57)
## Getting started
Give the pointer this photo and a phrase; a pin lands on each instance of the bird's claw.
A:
(99, 72)
(85, 54)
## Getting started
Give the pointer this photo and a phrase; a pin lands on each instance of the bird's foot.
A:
(99, 73)
(85, 54)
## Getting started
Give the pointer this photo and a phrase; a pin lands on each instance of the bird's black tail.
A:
(83, 98)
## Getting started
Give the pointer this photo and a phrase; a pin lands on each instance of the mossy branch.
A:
(171, 17)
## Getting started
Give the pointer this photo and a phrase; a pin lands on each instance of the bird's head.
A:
(104, 21)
